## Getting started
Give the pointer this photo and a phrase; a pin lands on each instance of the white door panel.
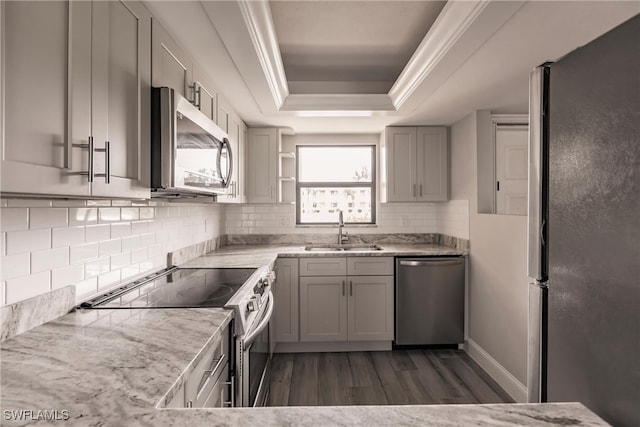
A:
(511, 169)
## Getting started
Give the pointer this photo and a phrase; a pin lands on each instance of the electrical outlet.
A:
(405, 220)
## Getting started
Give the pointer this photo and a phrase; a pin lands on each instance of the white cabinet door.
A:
(370, 308)
(417, 164)
(121, 75)
(171, 66)
(204, 93)
(323, 308)
(91, 83)
(262, 165)
(38, 156)
(224, 111)
(401, 164)
(286, 298)
(432, 164)
(512, 160)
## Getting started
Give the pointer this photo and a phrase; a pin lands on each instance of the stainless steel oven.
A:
(253, 354)
(245, 290)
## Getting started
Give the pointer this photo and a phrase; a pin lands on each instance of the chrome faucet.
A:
(345, 237)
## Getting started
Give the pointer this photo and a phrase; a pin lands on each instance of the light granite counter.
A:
(254, 256)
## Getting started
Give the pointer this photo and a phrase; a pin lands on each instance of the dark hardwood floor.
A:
(399, 377)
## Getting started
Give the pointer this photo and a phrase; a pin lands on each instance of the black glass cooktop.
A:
(184, 287)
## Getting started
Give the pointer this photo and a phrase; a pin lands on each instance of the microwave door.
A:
(198, 157)
(190, 154)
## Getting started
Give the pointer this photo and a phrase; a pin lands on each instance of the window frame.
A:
(337, 184)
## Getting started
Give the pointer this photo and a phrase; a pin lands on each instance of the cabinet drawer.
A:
(218, 397)
(370, 266)
(209, 368)
(323, 266)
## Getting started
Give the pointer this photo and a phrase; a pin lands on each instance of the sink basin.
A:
(360, 248)
(322, 248)
(337, 248)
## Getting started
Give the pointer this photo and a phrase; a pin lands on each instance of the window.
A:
(333, 179)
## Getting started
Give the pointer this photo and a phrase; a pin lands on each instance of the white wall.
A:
(498, 295)
(93, 245)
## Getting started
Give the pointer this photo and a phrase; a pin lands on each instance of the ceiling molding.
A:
(257, 17)
(454, 20)
(338, 102)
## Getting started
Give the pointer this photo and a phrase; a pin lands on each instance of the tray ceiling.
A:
(349, 46)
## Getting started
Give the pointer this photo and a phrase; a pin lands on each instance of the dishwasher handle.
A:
(435, 263)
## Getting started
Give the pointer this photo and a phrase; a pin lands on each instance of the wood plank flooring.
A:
(399, 377)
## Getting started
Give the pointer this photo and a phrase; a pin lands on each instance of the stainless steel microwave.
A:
(190, 154)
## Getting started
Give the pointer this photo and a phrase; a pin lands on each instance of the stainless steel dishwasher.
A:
(429, 300)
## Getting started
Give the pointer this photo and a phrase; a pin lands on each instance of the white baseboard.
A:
(504, 378)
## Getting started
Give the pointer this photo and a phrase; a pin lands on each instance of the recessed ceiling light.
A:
(334, 113)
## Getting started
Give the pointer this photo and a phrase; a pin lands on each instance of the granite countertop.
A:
(116, 367)
(254, 256)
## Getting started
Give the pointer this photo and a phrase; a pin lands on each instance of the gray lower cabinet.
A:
(344, 306)
(208, 385)
(323, 308)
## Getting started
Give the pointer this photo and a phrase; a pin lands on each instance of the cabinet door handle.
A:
(197, 95)
(219, 362)
(90, 170)
(414, 190)
(343, 290)
(350, 288)
(107, 162)
(107, 159)
(420, 190)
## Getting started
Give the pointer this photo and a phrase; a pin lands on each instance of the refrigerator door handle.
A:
(537, 164)
(537, 343)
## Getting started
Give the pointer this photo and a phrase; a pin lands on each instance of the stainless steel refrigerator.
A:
(584, 228)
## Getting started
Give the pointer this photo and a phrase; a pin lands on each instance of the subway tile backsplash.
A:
(450, 218)
(93, 245)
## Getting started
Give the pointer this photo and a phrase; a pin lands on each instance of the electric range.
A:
(177, 288)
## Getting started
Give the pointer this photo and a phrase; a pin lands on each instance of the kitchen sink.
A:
(338, 248)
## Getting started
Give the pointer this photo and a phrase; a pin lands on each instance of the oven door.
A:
(256, 360)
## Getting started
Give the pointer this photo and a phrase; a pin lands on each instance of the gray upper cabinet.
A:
(37, 155)
(204, 94)
(88, 66)
(417, 164)
(262, 146)
(171, 66)
(120, 81)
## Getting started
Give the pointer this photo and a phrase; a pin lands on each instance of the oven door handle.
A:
(251, 337)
